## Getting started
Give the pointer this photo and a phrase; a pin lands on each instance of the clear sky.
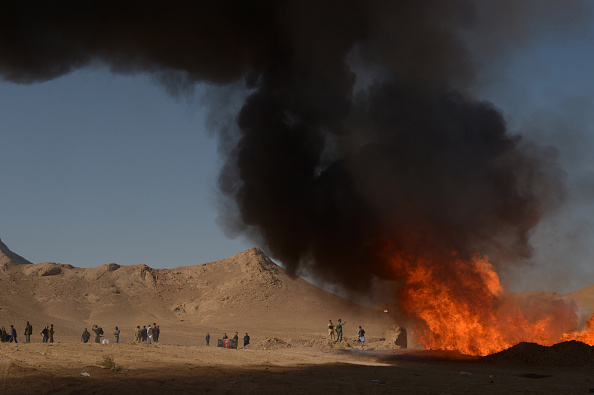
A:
(100, 168)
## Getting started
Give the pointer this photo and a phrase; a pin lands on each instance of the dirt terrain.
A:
(286, 318)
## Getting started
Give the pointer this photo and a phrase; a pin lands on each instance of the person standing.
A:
(51, 333)
(28, 332)
(143, 333)
(207, 339)
(13, 334)
(339, 325)
(156, 332)
(246, 339)
(149, 334)
(45, 334)
(331, 329)
(361, 334)
(85, 336)
(98, 333)
(116, 335)
(137, 334)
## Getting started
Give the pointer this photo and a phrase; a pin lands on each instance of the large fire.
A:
(461, 305)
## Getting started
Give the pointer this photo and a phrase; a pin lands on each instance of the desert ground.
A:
(285, 316)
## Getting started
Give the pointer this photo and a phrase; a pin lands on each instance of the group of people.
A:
(47, 334)
(147, 335)
(337, 328)
(235, 339)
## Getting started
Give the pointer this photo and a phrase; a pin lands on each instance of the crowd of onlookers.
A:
(10, 335)
(145, 335)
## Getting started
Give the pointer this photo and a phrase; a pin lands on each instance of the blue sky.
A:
(100, 168)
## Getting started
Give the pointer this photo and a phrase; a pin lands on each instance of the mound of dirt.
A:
(570, 353)
(271, 343)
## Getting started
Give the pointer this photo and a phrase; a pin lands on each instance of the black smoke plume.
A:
(360, 135)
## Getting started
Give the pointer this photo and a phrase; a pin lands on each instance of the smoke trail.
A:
(359, 131)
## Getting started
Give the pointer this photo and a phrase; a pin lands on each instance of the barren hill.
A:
(246, 293)
(8, 257)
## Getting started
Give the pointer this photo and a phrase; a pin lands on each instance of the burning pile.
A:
(467, 310)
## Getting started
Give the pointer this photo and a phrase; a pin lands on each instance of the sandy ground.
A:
(173, 369)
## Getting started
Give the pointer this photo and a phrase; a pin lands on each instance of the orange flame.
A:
(585, 336)
(460, 305)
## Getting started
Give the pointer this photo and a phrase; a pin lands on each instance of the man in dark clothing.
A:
(85, 336)
(28, 332)
(51, 333)
(246, 340)
(156, 332)
(13, 335)
(207, 339)
(45, 334)
(144, 333)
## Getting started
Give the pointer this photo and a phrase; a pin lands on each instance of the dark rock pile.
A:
(570, 353)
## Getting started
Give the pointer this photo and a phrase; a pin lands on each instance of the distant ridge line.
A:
(8, 257)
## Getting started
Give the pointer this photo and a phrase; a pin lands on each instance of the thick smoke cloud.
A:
(359, 136)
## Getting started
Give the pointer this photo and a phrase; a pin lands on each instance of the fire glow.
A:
(462, 306)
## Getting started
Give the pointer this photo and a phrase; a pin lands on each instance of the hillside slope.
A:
(245, 292)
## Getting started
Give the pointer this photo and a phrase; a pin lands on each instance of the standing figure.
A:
(149, 334)
(28, 332)
(137, 334)
(246, 339)
(51, 333)
(143, 333)
(331, 329)
(45, 334)
(85, 336)
(13, 335)
(207, 339)
(98, 333)
(339, 325)
(4, 335)
(361, 334)
(116, 335)
(156, 332)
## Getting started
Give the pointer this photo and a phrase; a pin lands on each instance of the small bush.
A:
(107, 362)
